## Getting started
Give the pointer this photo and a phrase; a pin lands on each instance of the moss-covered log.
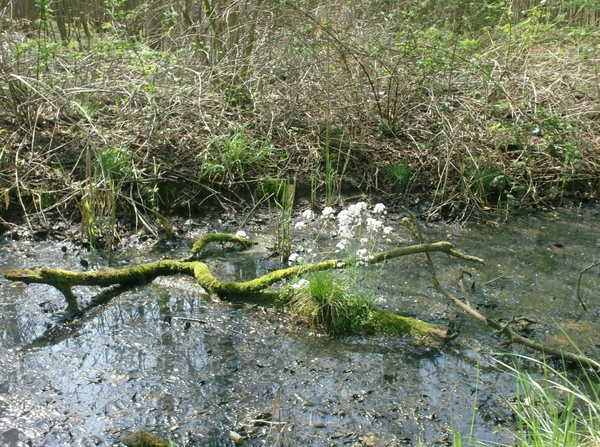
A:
(65, 280)
(214, 237)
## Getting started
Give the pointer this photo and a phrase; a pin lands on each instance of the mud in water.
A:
(167, 358)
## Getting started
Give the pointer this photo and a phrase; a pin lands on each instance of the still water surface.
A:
(167, 358)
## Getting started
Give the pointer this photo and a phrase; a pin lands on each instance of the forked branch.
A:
(65, 280)
(502, 329)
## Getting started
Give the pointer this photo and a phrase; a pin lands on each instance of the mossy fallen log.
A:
(65, 280)
(142, 438)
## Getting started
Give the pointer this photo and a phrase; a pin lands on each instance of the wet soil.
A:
(167, 358)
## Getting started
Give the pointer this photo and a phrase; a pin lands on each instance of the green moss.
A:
(213, 285)
(383, 322)
(143, 438)
(213, 237)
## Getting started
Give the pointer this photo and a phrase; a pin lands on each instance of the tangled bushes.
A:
(481, 108)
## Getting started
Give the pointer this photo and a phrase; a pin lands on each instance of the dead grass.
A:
(504, 118)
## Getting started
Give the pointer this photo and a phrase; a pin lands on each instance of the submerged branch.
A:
(503, 329)
(508, 332)
(577, 290)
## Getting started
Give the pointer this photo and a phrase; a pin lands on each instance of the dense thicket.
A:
(109, 107)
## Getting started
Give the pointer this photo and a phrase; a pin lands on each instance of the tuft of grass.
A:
(230, 156)
(400, 176)
(143, 438)
(556, 409)
(333, 304)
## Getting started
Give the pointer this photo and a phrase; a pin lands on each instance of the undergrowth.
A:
(481, 108)
(552, 406)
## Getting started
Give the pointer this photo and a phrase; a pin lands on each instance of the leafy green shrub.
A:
(115, 162)
(400, 176)
(484, 181)
(230, 156)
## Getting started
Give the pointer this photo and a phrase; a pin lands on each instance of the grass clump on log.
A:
(329, 303)
(143, 438)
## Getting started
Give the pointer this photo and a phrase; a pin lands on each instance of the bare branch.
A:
(579, 283)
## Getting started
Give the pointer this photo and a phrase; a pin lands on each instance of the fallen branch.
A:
(501, 329)
(65, 280)
(577, 290)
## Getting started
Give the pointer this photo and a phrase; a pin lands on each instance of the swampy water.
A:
(167, 358)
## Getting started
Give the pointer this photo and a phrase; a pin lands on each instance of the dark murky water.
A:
(167, 358)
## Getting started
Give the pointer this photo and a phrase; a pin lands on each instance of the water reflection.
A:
(166, 357)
